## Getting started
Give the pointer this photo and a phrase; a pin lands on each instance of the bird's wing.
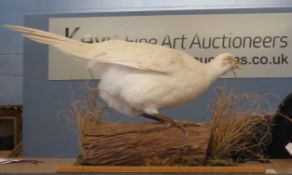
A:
(135, 55)
(143, 56)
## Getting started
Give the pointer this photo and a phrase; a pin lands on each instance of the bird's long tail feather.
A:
(67, 45)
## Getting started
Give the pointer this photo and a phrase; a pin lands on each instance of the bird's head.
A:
(225, 62)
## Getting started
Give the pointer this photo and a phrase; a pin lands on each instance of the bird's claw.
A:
(179, 125)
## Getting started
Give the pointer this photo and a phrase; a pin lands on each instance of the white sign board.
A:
(261, 42)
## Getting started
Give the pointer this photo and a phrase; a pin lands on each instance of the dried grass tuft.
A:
(240, 130)
(88, 108)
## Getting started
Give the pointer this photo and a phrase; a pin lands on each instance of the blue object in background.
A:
(47, 133)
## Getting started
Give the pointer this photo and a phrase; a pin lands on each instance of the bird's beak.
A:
(236, 65)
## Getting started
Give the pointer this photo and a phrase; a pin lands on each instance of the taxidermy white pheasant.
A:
(140, 78)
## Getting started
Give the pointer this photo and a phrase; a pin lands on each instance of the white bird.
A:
(140, 78)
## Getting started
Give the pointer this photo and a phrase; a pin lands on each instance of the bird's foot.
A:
(181, 125)
(178, 124)
(170, 122)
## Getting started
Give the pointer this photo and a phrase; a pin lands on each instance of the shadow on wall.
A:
(282, 130)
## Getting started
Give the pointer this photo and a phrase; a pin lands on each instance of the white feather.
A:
(139, 78)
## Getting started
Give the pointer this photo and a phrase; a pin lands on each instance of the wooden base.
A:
(160, 169)
(142, 144)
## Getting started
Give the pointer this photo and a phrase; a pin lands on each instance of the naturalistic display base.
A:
(238, 132)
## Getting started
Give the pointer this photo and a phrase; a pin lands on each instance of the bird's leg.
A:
(159, 118)
(169, 121)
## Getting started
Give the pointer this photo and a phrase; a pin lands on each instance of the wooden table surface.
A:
(48, 165)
